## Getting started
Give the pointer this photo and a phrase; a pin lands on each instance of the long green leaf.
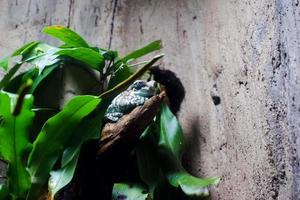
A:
(4, 193)
(4, 63)
(121, 67)
(20, 51)
(54, 137)
(191, 185)
(170, 150)
(41, 55)
(38, 54)
(14, 84)
(25, 48)
(88, 129)
(66, 35)
(7, 77)
(171, 135)
(153, 46)
(148, 161)
(107, 54)
(36, 50)
(64, 175)
(130, 191)
(46, 72)
(179, 177)
(33, 74)
(119, 76)
(70, 154)
(14, 143)
(85, 55)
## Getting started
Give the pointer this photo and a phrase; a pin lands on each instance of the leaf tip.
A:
(159, 42)
(216, 180)
(57, 27)
(158, 56)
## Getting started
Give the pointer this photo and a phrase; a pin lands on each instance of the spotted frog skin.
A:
(134, 96)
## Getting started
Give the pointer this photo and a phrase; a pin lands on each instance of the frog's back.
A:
(123, 104)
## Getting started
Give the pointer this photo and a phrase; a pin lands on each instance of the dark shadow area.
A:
(194, 139)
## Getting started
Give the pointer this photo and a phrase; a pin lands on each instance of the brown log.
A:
(126, 132)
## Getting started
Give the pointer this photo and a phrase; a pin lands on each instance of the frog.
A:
(136, 95)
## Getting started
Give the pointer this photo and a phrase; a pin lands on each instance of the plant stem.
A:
(22, 93)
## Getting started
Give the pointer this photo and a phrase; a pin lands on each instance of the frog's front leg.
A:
(114, 116)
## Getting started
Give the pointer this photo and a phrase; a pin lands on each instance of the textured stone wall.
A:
(238, 60)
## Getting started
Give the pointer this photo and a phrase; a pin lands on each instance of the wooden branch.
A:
(126, 132)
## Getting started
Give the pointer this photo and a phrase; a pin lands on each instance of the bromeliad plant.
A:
(30, 164)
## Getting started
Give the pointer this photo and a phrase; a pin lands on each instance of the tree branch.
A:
(124, 134)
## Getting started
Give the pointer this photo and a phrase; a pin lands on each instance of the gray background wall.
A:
(245, 52)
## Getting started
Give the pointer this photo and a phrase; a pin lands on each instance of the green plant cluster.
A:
(58, 142)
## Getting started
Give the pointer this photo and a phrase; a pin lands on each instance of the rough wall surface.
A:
(238, 61)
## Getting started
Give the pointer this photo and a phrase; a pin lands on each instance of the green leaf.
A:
(66, 35)
(33, 73)
(88, 129)
(27, 51)
(147, 160)
(4, 193)
(54, 137)
(4, 63)
(35, 51)
(191, 185)
(169, 152)
(171, 135)
(122, 71)
(179, 177)
(42, 55)
(85, 55)
(119, 76)
(22, 50)
(14, 143)
(24, 89)
(14, 85)
(64, 175)
(8, 76)
(46, 72)
(130, 191)
(160, 150)
(106, 53)
(153, 46)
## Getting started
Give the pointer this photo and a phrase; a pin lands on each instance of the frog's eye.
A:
(138, 85)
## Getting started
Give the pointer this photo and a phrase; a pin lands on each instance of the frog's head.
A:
(143, 88)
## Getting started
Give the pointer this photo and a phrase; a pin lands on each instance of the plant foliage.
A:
(14, 143)
(165, 141)
(52, 155)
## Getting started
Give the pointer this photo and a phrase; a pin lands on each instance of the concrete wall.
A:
(244, 53)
